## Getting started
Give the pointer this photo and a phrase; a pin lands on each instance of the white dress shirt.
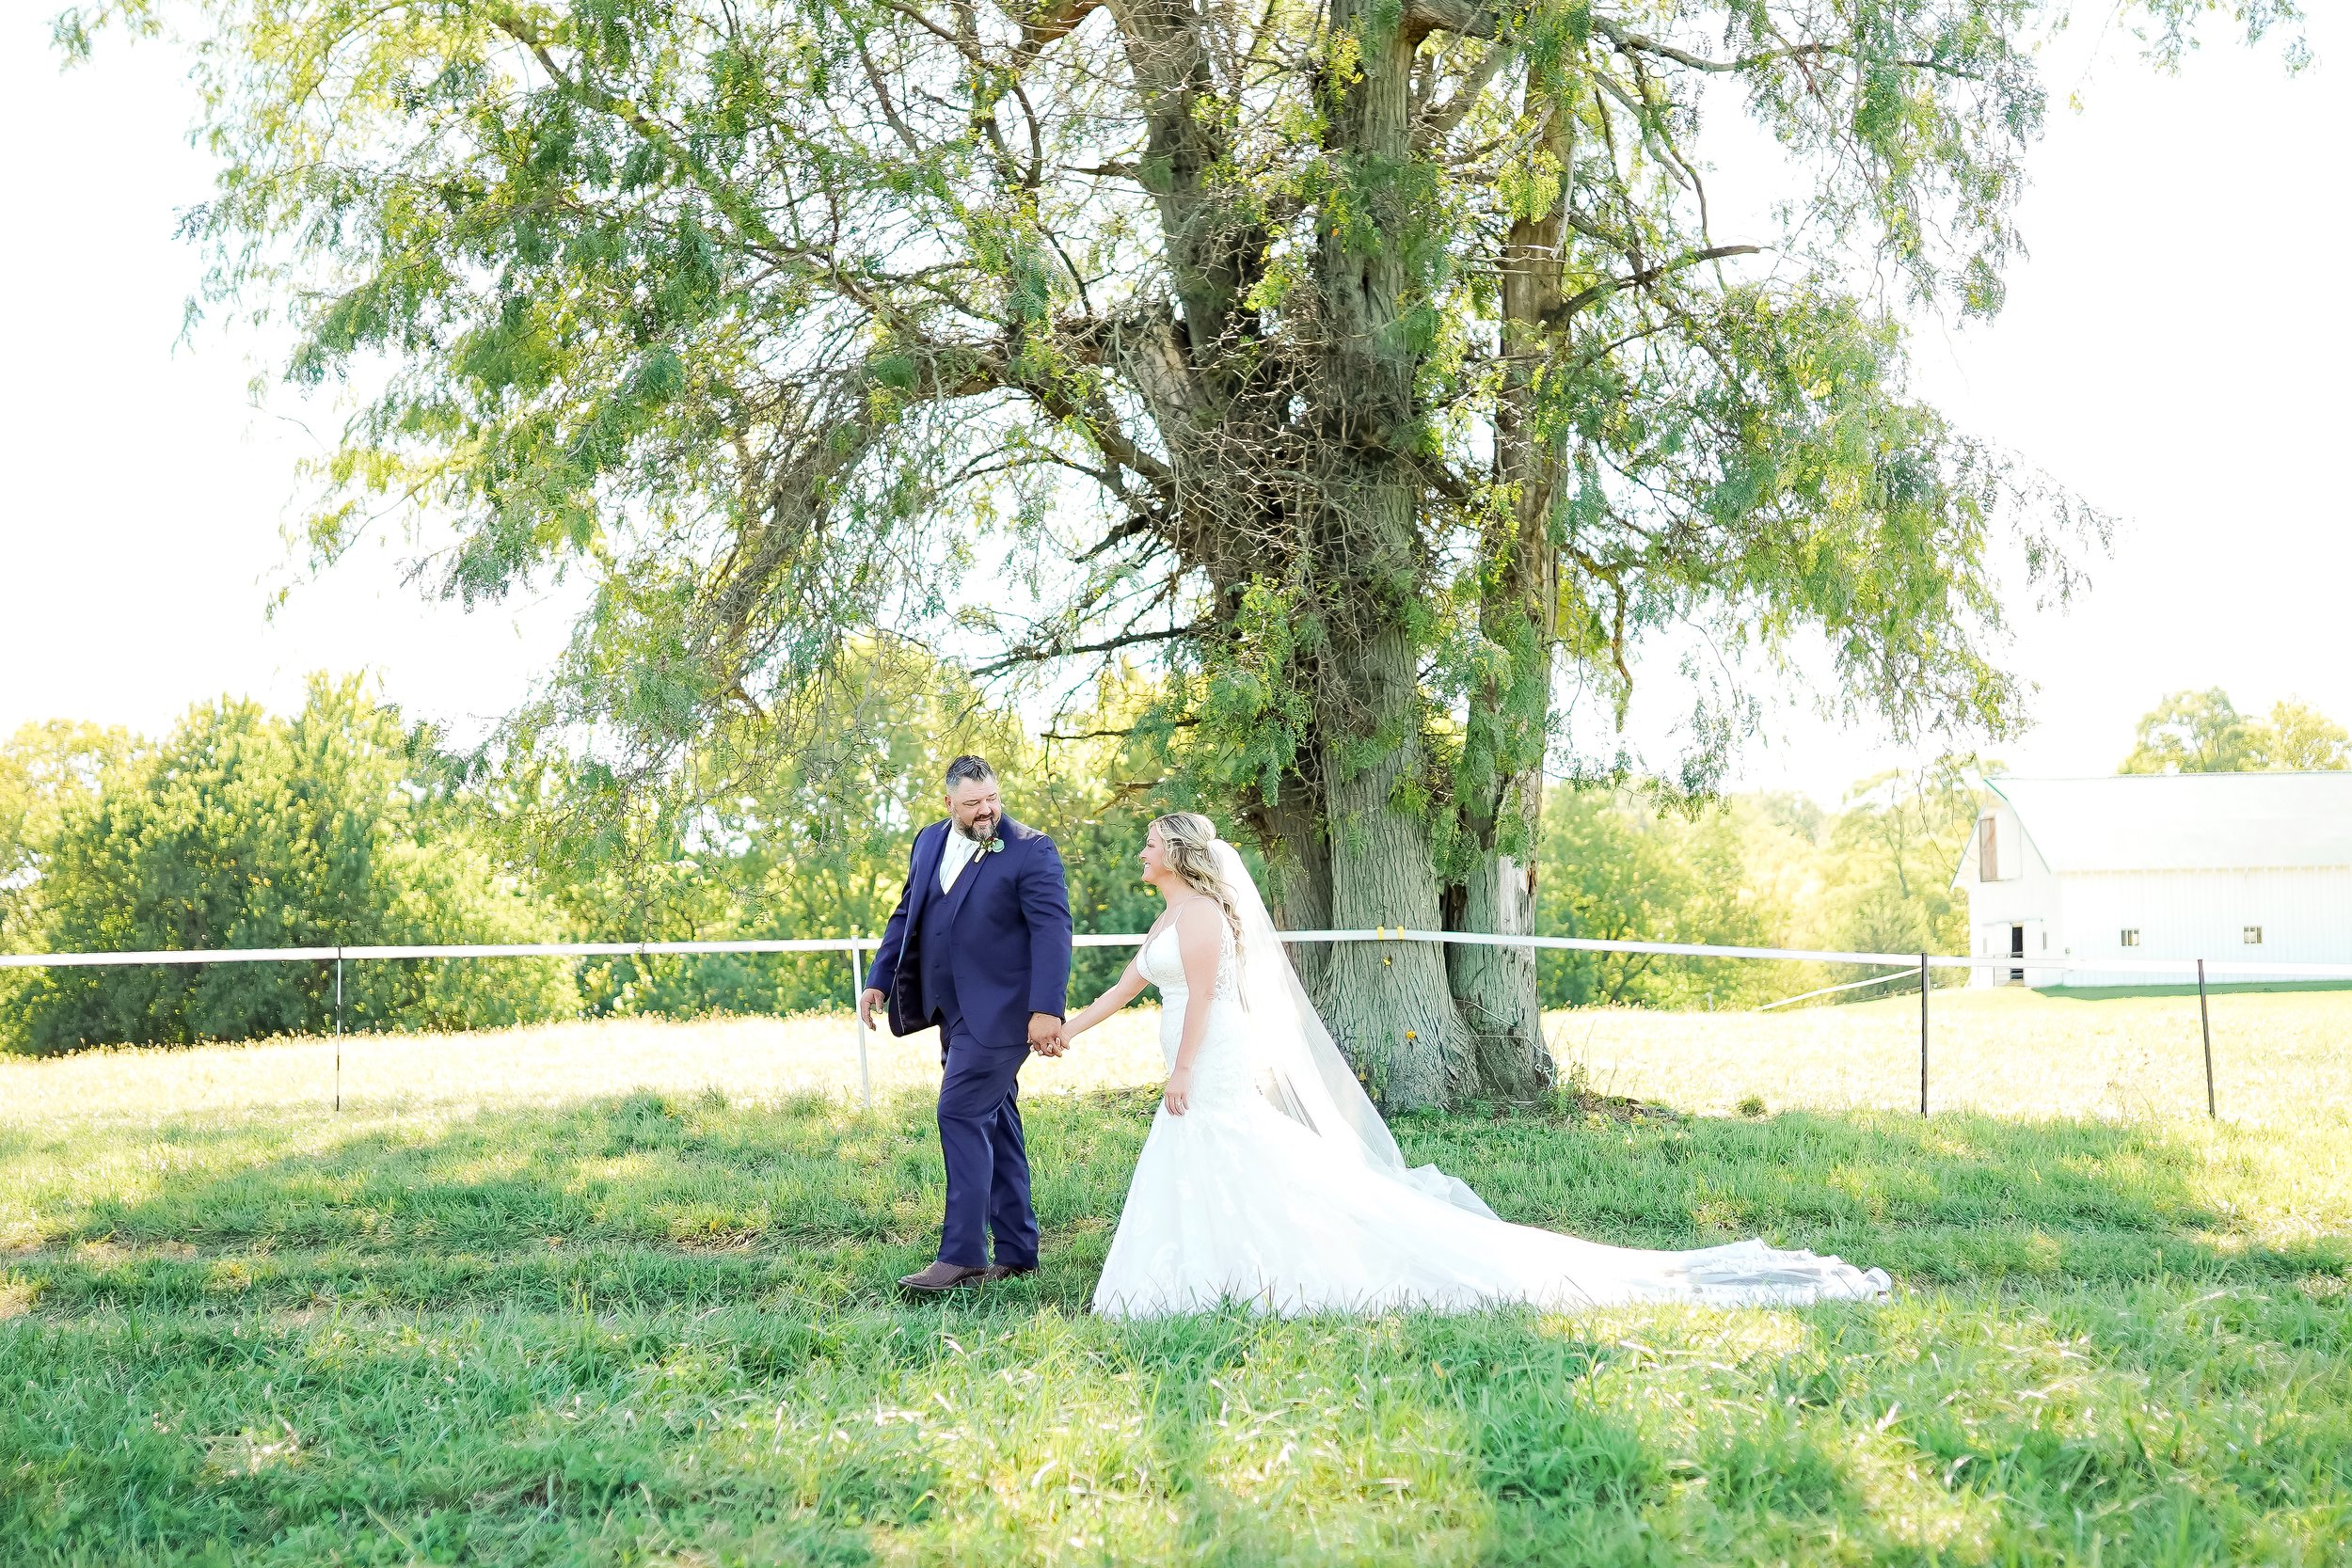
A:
(959, 852)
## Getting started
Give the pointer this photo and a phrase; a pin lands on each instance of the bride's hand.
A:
(1177, 1096)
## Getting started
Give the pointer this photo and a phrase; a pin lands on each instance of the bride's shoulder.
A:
(1202, 932)
(1198, 914)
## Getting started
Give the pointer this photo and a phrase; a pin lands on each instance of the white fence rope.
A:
(1833, 991)
(859, 944)
(1903, 964)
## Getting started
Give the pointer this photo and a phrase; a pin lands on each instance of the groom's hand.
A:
(1045, 1034)
(867, 1001)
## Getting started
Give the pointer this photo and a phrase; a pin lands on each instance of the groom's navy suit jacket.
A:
(998, 941)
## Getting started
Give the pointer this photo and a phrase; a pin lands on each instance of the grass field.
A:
(615, 1293)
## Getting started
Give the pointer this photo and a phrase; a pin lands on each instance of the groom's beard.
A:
(978, 833)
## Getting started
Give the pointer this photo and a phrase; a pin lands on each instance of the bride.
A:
(1268, 1178)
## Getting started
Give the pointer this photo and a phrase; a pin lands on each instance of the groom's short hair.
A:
(970, 766)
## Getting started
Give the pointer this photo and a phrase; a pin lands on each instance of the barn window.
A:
(1988, 859)
(2131, 936)
(2253, 935)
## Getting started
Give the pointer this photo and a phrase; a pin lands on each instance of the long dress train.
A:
(1238, 1201)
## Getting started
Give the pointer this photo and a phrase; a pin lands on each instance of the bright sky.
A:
(2175, 349)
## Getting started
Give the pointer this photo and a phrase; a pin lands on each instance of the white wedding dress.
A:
(1272, 1191)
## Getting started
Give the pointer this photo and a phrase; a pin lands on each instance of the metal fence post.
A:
(1923, 1034)
(857, 1014)
(338, 1029)
(2204, 1019)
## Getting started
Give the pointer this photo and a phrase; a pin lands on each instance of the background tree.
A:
(1759, 870)
(1366, 360)
(1888, 857)
(1615, 868)
(2203, 731)
(2303, 739)
(811, 839)
(241, 830)
(46, 771)
(2193, 732)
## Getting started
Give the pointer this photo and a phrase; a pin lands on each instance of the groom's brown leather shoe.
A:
(1008, 1271)
(941, 1278)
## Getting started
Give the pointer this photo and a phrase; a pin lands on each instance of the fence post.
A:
(1923, 1034)
(857, 1015)
(338, 1029)
(2204, 1019)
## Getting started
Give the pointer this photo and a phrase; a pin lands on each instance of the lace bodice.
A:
(1162, 961)
(1223, 1067)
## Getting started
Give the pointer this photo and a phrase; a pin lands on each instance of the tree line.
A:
(346, 825)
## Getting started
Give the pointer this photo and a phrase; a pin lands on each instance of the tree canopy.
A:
(2203, 731)
(1375, 367)
(243, 831)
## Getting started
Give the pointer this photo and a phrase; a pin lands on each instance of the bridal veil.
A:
(1301, 1067)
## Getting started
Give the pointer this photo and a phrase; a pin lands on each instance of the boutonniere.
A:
(993, 846)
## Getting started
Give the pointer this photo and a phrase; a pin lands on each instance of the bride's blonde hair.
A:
(1188, 841)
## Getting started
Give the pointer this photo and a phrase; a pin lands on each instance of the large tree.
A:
(1374, 365)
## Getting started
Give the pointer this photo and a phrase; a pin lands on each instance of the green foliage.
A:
(338, 828)
(46, 771)
(799, 826)
(2192, 731)
(1749, 870)
(2203, 731)
(776, 325)
(1609, 869)
(1890, 856)
(1367, 362)
(243, 831)
(2304, 739)
(802, 826)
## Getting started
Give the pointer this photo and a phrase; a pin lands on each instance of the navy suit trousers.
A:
(988, 1166)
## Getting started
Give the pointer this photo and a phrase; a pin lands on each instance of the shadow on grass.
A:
(645, 1200)
(648, 1325)
(2215, 987)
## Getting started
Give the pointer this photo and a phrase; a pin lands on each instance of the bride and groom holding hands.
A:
(1268, 1180)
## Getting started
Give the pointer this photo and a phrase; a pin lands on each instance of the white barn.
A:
(2244, 867)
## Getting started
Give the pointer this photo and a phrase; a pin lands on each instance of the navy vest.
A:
(931, 943)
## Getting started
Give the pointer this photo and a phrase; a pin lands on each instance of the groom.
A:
(979, 949)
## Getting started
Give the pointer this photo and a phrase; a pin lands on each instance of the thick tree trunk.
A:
(1386, 1002)
(1503, 776)
(1496, 986)
(1299, 857)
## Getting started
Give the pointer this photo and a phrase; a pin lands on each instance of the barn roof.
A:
(2186, 822)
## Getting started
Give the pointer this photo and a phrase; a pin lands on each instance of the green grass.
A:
(513, 1307)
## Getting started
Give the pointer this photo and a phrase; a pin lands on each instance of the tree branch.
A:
(1425, 17)
(1444, 118)
(1019, 657)
(1628, 42)
(1184, 724)
(1642, 280)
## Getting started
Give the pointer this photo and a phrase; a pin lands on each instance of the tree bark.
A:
(1386, 1002)
(1299, 856)
(1519, 613)
(1502, 1012)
